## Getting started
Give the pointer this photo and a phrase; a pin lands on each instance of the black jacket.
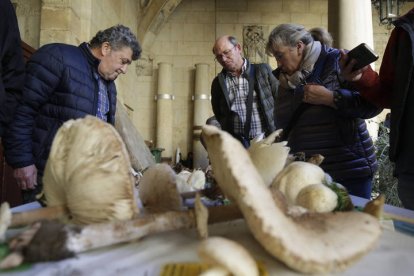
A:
(11, 64)
(402, 113)
(59, 86)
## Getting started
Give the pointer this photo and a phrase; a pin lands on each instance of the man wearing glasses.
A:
(242, 94)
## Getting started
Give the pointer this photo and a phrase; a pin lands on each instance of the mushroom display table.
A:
(392, 255)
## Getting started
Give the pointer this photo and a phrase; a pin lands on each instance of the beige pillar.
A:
(350, 23)
(164, 99)
(201, 113)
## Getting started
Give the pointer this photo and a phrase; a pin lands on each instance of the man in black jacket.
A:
(11, 63)
(65, 82)
(242, 94)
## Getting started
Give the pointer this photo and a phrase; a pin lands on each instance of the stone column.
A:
(202, 107)
(350, 23)
(164, 100)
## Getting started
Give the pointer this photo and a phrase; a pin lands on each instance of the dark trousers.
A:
(361, 187)
(406, 190)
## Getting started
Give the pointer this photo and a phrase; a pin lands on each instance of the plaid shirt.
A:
(238, 88)
(103, 101)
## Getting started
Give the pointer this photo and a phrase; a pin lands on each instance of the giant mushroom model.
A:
(310, 243)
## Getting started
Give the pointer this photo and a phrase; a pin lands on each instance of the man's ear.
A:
(238, 46)
(105, 48)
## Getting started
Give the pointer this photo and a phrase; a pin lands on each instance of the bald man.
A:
(242, 94)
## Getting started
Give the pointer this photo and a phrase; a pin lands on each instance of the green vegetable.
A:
(344, 200)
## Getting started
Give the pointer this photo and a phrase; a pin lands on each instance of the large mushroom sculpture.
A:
(309, 243)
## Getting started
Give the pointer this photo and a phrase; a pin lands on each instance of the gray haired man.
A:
(65, 82)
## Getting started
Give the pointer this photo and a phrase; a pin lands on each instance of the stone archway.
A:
(154, 14)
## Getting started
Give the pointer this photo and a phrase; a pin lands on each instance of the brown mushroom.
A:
(158, 189)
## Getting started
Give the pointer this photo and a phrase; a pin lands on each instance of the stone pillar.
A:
(202, 107)
(164, 100)
(350, 23)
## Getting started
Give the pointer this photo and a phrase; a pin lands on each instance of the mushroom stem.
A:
(46, 213)
(56, 241)
(13, 220)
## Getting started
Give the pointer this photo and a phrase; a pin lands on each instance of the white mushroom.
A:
(269, 157)
(225, 254)
(88, 172)
(295, 176)
(197, 180)
(311, 243)
(317, 198)
(190, 181)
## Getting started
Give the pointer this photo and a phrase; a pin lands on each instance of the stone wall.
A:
(28, 16)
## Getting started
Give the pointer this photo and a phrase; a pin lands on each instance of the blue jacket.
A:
(340, 135)
(59, 86)
(11, 64)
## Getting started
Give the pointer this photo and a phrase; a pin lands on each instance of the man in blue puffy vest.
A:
(65, 82)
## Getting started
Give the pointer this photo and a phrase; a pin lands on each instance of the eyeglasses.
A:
(224, 54)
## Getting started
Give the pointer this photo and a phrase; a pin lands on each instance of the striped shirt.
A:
(103, 100)
(238, 88)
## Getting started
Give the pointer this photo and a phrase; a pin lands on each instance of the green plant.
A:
(384, 181)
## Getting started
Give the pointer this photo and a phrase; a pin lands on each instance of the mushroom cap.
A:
(317, 198)
(158, 189)
(295, 176)
(88, 171)
(309, 243)
(228, 254)
(197, 180)
(269, 157)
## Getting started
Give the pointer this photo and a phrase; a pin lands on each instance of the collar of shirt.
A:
(244, 68)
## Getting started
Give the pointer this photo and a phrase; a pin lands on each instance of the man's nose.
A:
(124, 68)
(224, 58)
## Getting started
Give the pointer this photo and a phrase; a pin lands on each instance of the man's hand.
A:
(26, 177)
(346, 68)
